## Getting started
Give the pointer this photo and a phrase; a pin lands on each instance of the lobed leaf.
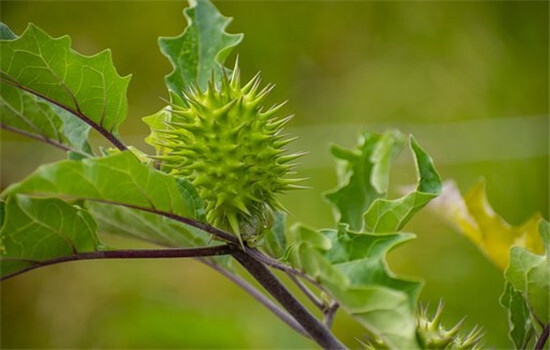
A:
(352, 267)
(476, 219)
(363, 175)
(38, 229)
(117, 179)
(201, 49)
(47, 67)
(389, 215)
(25, 113)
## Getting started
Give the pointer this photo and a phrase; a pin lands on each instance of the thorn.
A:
(280, 123)
(274, 109)
(246, 89)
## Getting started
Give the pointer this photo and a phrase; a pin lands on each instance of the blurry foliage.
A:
(344, 65)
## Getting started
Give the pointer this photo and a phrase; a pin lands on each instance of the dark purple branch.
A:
(256, 294)
(330, 312)
(130, 254)
(269, 261)
(104, 132)
(543, 338)
(318, 332)
(38, 137)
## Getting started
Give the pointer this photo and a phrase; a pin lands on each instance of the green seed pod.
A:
(434, 335)
(225, 143)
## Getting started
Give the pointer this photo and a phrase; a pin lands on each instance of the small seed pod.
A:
(233, 152)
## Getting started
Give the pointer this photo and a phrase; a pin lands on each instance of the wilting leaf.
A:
(474, 217)
(201, 49)
(38, 229)
(49, 68)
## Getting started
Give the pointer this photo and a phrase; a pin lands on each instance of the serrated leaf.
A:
(200, 49)
(48, 67)
(117, 179)
(38, 229)
(363, 175)
(275, 239)
(23, 112)
(518, 315)
(385, 215)
(529, 274)
(476, 219)
(352, 267)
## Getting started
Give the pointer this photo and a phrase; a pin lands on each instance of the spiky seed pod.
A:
(225, 143)
(434, 335)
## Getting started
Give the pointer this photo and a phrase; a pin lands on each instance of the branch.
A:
(127, 254)
(330, 312)
(104, 132)
(38, 137)
(269, 261)
(308, 293)
(256, 294)
(543, 337)
(318, 332)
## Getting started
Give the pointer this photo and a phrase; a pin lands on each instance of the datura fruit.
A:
(435, 336)
(232, 150)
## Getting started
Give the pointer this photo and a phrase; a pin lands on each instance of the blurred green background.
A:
(469, 79)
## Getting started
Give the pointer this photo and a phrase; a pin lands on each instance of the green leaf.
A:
(518, 315)
(25, 113)
(473, 215)
(352, 267)
(49, 68)
(387, 215)
(200, 49)
(150, 227)
(38, 229)
(275, 239)
(117, 179)
(363, 175)
(529, 274)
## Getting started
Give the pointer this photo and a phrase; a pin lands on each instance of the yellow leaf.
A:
(475, 218)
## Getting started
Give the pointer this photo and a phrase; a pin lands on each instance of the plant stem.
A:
(269, 261)
(330, 313)
(543, 337)
(308, 293)
(318, 332)
(126, 254)
(256, 294)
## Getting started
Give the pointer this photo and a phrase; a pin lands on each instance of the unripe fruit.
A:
(225, 143)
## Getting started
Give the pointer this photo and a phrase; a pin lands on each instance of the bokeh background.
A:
(469, 79)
